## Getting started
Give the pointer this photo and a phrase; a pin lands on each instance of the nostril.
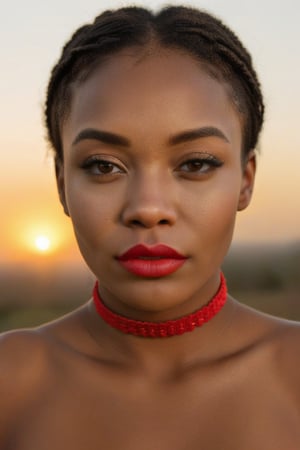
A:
(136, 223)
(143, 223)
(147, 216)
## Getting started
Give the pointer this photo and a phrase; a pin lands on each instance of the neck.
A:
(160, 357)
(204, 343)
(163, 329)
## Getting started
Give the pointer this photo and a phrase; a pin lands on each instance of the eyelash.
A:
(211, 161)
(93, 163)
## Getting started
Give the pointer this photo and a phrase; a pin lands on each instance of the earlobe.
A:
(247, 181)
(60, 182)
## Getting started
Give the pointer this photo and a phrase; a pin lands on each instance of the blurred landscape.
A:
(264, 277)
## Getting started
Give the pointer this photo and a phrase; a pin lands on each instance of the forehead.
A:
(136, 91)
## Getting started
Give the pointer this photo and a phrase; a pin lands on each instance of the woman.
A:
(154, 120)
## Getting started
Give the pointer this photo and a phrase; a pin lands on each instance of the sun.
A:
(42, 238)
(42, 243)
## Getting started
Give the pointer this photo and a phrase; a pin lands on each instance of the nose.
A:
(150, 203)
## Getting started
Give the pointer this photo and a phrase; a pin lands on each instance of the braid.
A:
(196, 32)
(210, 40)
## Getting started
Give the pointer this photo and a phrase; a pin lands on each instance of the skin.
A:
(76, 382)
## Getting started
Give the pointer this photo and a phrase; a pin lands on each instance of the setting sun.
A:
(47, 236)
(42, 243)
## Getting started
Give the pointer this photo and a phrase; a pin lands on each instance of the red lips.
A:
(151, 262)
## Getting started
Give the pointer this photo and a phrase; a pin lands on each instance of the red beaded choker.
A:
(167, 328)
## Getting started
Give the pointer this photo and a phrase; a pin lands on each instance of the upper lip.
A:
(154, 251)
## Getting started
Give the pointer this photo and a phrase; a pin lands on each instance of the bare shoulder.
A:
(20, 349)
(23, 364)
(286, 361)
(283, 339)
(26, 352)
(287, 345)
(30, 362)
(276, 343)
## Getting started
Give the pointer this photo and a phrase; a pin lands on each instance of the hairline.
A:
(212, 70)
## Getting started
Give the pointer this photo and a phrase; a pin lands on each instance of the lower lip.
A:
(152, 268)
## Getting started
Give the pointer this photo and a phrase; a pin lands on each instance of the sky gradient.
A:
(32, 37)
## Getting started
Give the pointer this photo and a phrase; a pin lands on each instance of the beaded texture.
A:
(162, 329)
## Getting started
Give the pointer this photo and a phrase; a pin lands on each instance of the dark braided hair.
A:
(196, 32)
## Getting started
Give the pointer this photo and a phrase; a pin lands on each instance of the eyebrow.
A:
(115, 139)
(198, 133)
(104, 136)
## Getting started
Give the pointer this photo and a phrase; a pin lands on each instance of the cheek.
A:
(226, 215)
(217, 202)
(227, 204)
(214, 218)
(218, 223)
(93, 212)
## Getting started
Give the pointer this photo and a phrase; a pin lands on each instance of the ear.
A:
(249, 169)
(60, 182)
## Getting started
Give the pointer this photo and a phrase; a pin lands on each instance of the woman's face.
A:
(152, 155)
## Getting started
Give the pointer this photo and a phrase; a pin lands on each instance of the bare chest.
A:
(133, 415)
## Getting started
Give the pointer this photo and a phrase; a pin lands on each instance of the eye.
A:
(195, 165)
(200, 165)
(101, 167)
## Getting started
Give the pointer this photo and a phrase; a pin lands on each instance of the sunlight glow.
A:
(45, 237)
(42, 243)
